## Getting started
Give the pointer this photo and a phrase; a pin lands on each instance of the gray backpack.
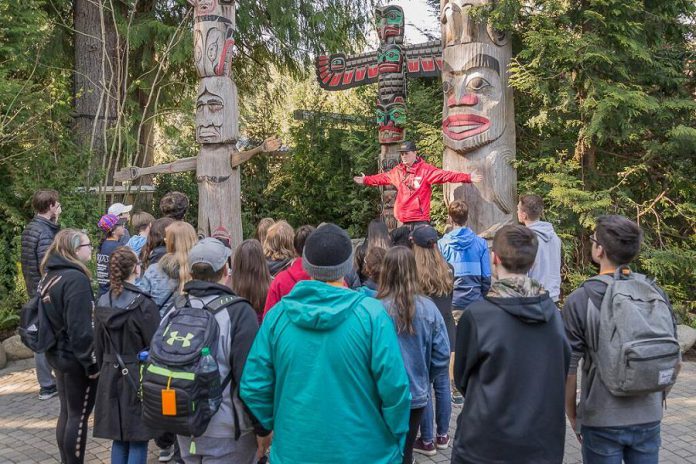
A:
(631, 337)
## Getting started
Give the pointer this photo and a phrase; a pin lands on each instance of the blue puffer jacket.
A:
(468, 255)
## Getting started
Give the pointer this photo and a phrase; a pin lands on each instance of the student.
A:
(421, 330)
(125, 321)
(436, 279)
(547, 264)
(142, 222)
(511, 358)
(36, 240)
(238, 326)
(373, 271)
(286, 280)
(391, 222)
(333, 353)
(68, 303)
(113, 229)
(122, 212)
(278, 247)
(166, 278)
(611, 428)
(377, 236)
(250, 278)
(174, 205)
(262, 229)
(155, 247)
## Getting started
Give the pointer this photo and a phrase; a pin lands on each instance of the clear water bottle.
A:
(208, 364)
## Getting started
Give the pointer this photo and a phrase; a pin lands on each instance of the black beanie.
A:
(328, 253)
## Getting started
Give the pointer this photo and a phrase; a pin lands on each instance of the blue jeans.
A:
(634, 444)
(129, 452)
(443, 410)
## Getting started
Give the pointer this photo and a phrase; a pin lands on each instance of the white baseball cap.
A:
(118, 209)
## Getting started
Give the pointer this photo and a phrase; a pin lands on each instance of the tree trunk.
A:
(95, 92)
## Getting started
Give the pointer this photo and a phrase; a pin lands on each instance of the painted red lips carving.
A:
(390, 134)
(462, 126)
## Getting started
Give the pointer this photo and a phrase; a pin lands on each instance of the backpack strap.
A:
(592, 320)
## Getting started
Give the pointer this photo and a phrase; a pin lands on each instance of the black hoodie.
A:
(69, 307)
(510, 364)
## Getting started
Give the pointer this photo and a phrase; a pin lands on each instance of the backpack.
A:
(631, 336)
(176, 393)
(35, 329)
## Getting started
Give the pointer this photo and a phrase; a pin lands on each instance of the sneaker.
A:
(46, 393)
(166, 454)
(442, 442)
(457, 398)
(421, 447)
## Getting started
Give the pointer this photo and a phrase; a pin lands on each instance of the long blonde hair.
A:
(278, 244)
(65, 244)
(399, 283)
(180, 238)
(434, 274)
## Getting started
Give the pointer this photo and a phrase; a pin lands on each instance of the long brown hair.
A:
(279, 242)
(399, 283)
(154, 239)
(262, 229)
(434, 274)
(65, 245)
(121, 266)
(180, 238)
(250, 276)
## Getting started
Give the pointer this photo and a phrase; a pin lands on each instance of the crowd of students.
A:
(338, 353)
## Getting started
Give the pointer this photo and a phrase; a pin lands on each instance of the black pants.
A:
(77, 394)
(413, 424)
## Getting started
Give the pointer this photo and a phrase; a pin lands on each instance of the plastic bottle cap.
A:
(205, 351)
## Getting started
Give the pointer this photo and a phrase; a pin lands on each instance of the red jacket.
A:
(414, 187)
(284, 282)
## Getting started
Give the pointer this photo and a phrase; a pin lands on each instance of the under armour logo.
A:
(185, 341)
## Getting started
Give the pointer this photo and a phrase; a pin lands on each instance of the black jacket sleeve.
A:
(78, 304)
(466, 354)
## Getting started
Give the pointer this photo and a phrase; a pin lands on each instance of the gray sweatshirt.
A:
(547, 265)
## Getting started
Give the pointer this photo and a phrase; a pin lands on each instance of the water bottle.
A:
(143, 356)
(208, 364)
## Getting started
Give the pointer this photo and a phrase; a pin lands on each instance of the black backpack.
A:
(174, 365)
(35, 329)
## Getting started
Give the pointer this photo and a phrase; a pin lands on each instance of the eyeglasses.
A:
(594, 240)
(85, 245)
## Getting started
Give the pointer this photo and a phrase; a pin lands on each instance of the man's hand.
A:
(263, 443)
(476, 177)
(360, 180)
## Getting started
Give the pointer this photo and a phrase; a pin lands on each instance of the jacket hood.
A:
(319, 306)
(57, 263)
(459, 239)
(523, 298)
(275, 266)
(296, 272)
(544, 230)
(201, 288)
(113, 312)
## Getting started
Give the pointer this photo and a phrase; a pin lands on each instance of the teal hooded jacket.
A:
(325, 373)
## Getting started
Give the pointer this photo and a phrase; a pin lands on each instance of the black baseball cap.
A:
(408, 146)
(424, 236)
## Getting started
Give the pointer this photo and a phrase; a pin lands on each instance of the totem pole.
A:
(386, 67)
(478, 123)
(217, 125)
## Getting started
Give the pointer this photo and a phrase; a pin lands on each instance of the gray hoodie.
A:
(547, 265)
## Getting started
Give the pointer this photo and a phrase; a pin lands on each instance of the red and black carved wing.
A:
(424, 59)
(340, 72)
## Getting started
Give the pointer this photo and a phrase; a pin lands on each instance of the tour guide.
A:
(413, 179)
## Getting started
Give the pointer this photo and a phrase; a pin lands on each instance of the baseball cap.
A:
(408, 146)
(119, 208)
(210, 251)
(424, 236)
(108, 222)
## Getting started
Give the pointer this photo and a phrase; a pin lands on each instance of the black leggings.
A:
(413, 424)
(77, 394)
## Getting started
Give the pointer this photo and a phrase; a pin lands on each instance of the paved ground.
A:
(27, 426)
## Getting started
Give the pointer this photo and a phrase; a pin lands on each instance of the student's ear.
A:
(494, 258)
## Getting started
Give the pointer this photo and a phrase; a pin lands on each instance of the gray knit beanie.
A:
(328, 254)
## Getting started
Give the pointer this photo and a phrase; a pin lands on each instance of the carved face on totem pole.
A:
(389, 20)
(390, 59)
(216, 112)
(475, 82)
(212, 37)
(391, 118)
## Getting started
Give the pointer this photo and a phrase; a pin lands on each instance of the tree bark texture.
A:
(478, 122)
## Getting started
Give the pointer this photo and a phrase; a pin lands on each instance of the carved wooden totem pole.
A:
(217, 125)
(389, 66)
(478, 122)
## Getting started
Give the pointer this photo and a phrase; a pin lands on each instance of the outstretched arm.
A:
(377, 179)
(132, 173)
(269, 145)
(440, 176)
